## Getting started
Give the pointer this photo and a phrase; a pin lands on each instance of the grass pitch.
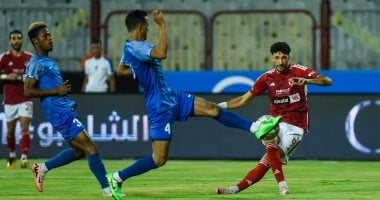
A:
(197, 180)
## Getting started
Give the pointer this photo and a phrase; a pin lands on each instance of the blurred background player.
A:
(43, 80)
(17, 107)
(164, 105)
(99, 74)
(286, 86)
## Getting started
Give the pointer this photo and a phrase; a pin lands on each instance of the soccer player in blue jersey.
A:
(44, 81)
(164, 106)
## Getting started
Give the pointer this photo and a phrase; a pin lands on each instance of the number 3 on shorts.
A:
(167, 128)
(77, 122)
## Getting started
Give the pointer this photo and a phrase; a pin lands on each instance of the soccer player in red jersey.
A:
(286, 86)
(17, 107)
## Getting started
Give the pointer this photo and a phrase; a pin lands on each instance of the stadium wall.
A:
(343, 127)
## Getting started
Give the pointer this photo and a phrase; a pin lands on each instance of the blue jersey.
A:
(159, 97)
(48, 76)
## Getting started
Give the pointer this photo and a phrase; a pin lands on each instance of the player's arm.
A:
(112, 83)
(85, 81)
(320, 80)
(161, 49)
(237, 102)
(31, 90)
(123, 70)
(10, 77)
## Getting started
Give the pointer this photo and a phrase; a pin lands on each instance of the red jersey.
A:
(288, 101)
(14, 90)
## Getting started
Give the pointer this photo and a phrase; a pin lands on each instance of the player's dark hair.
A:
(135, 18)
(13, 32)
(34, 29)
(282, 47)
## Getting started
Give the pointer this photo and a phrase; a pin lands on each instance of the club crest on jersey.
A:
(295, 98)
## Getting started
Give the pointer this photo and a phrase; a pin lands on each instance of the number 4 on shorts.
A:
(167, 128)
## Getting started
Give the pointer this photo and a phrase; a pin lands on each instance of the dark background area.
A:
(205, 138)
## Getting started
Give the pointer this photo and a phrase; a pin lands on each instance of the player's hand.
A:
(12, 76)
(297, 81)
(64, 89)
(158, 17)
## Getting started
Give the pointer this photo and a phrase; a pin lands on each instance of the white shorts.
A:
(289, 138)
(15, 111)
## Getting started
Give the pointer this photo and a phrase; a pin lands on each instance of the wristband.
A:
(3, 76)
(223, 105)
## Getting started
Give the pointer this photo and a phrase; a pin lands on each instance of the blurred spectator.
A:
(99, 74)
(17, 107)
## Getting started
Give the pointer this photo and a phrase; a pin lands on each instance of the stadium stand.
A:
(240, 41)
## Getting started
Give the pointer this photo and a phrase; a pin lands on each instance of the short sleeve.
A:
(1, 60)
(109, 66)
(311, 73)
(306, 72)
(86, 66)
(142, 50)
(139, 49)
(259, 86)
(34, 70)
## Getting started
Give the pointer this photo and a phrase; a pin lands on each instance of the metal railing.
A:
(187, 34)
(356, 39)
(241, 39)
(229, 40)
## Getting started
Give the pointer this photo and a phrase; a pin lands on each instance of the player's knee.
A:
(79, 153)
(160, 160)
(10, 132)
(273, 141)
(212, 109)
(90, 149)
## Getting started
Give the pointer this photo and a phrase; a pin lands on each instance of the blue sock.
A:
(64, 157)
(231, 119)
(97, 167)
(139, 167)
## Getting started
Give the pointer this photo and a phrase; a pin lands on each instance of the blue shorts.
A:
(162, 128)
(67, 123)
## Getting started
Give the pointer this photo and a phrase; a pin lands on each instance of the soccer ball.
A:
(272, 133)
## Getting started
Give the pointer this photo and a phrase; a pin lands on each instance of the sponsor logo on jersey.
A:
(287, 99)
(283, 91)
(282, 100)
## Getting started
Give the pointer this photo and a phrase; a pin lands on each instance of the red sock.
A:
(11, 142)
(254, 175)
(25, 143)
(275, 163)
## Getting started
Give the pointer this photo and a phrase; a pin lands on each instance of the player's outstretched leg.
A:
(115, 186)
(266, 125)
(39, 171)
